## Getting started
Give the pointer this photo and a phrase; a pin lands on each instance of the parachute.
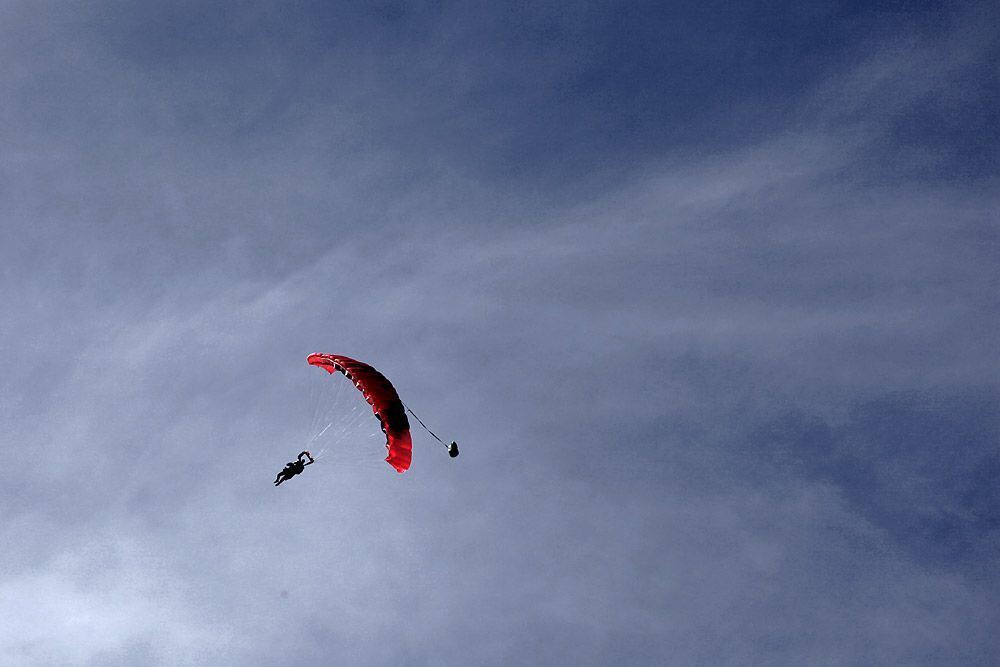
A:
(385, 402)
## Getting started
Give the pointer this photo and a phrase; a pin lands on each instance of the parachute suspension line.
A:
(452, 448)
(320, 434)
(341, 431)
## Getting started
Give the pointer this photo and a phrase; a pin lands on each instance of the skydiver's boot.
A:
(453, 449)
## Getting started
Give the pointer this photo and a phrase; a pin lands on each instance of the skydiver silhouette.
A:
(293, 468)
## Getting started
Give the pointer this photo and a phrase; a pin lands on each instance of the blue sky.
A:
(707, 294)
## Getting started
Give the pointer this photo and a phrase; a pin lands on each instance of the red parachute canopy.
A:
(381, 395)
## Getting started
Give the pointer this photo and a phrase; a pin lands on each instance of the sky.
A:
(707, 292)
